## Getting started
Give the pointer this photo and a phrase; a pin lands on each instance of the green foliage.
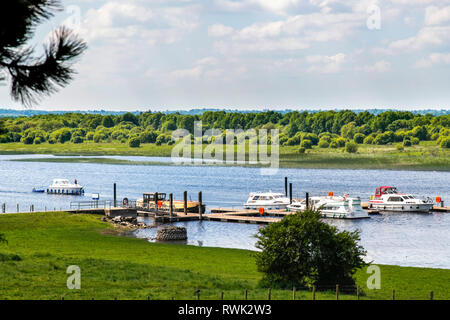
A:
(359, 138)
(323, 144)
(135, 142)
(301, 150)
(307, 144)
(445, 142)
(3, 239)
(301, 250)
(351, 147)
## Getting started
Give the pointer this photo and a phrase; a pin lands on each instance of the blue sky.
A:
(256, 54)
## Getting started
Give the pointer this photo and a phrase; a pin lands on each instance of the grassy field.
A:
(42, 245)
(426, 156)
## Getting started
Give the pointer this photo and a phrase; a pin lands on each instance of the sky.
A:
(255, 54)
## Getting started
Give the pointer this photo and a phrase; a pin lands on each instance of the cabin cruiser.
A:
(333, 207)
(389, 199)
(63, 186)
(267, 200)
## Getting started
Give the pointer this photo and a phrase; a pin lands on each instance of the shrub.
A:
(445, 142)
(307, 144)
(359, 138)
(90, 136)
(368, 140)
(407, 143)
(77, 140)
(351, 147)
(340, 142)
(415, 140)
(323, 144)
(301, 150)
(399, 147)
(28, 140)
(301, 250)
(134, 142)
(37, 140)
(334, 145)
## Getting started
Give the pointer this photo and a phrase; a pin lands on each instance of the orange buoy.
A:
(330, 194)
(159, 204)
(438, 200)
(261, 210)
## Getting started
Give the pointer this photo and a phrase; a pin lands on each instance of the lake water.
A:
(399, 239)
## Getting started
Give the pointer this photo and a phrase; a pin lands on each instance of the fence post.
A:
(314, 292)
(393, 294)
(269, 293)
(4, 208)
(431, 295)
(337, 292)
(293, 293)
(221, 295)
(357, 292)
(245, 295)
(17, 208)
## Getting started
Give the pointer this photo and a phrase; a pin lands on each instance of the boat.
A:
(38, 190)
(337, 207)
(388, 199)
(148, 202)
(267, 200)
(64, 187)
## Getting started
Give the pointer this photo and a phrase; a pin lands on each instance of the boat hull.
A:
(386, 207)
(66, 191)
(253, 206)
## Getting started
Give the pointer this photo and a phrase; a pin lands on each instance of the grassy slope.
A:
(130, 268)
(426, 156)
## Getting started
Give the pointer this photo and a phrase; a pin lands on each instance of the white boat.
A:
(63, 186)
(267, 200)
(333, 207)
(388, 199)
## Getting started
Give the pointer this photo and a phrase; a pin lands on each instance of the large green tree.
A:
(301, 250)
(32, 76)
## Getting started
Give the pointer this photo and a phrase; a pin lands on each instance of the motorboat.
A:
(267, 200)
(338, 207)
(388, 199)
(64, 187)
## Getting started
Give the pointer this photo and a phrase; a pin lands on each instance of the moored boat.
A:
(267, 200)
(148, 202)
(336, 207)
(388, 199)
(64, 187)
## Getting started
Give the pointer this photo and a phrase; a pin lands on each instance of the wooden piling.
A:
(286, 186)
(156, 201)
(171, 205)
(307, 200)
(115, 195)
(290, 193)
(200, 205)
(185, 202)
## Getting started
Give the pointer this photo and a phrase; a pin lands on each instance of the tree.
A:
(301, 250)
(31, 76)
(108, 122)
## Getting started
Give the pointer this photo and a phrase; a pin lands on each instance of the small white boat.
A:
(267, 200)
(333, 207)
(63, 186)
(388, 199)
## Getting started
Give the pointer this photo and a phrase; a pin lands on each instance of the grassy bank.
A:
(41, 247)
(426, 156)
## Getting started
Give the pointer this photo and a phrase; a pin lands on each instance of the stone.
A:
(171, 233)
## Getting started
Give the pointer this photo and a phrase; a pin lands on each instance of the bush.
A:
(415, 141)
(301, 150)
(307, 144)
(407, 143)
(77, 140)
(399, 147)
(334, 145)
(340, 142)
(28, 140)
(134, 143)
(37, 140)
(445, 142)
(323, 144)
(301, 250)
(351, 147)
(359, 138)
(368, 140)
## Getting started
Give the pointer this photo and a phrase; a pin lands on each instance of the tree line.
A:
(325, 129)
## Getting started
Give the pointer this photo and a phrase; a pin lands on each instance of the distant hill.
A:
(31, 112)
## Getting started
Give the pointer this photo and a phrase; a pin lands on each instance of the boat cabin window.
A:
(256, 198)
(395, 199)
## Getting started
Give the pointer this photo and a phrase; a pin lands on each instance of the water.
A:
(399, 239)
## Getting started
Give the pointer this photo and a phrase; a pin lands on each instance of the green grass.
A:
(426, 156)
(128, 268)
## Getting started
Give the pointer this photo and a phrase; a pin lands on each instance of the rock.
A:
(171, 233)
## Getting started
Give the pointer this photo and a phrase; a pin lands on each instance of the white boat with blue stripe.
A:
(64, 187)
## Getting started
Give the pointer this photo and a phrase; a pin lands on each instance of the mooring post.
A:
(185, 202)
(200, 205)
(171, 205)
(156, 202)
(307, 200)
(115, 195)
(290, 192)
(286, 186)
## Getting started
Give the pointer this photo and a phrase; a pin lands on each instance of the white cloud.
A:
(219, 30)
(433, 59)
(326, 64)
(436, 16)
(378, 67)
(274, 6)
